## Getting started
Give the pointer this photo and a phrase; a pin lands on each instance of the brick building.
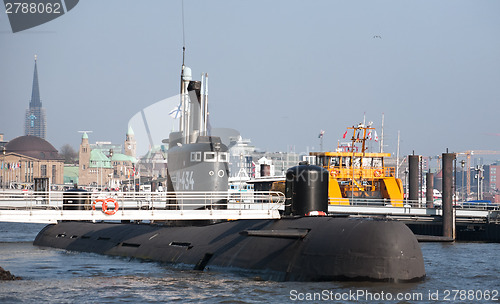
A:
(103, 164)
(28, 157)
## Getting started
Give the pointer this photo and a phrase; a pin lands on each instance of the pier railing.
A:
(414, 210)
(53, 206)
(370, 202)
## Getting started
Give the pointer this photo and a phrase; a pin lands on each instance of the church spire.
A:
(35, 92)
(35, 122)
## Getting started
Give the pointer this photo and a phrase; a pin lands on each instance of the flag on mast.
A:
(321, 133)
(345, 134)
(176, 112)
(376, 136)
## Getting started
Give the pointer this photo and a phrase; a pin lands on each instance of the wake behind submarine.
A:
(293, 248)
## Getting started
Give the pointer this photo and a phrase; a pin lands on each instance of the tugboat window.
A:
(346, 161)
(356, 162)
(377, 162)
(334, 162)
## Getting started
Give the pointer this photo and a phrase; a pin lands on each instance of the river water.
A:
(456, 273)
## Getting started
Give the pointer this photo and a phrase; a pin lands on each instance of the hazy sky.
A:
(280, 71)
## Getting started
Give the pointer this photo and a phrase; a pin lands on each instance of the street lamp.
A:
(480, 177)
(406, 185)
(462, 163)
(2, 178)
(112, 168)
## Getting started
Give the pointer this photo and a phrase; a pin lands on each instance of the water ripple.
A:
(58, 276)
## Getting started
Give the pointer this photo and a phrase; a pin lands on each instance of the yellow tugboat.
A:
(357, 175)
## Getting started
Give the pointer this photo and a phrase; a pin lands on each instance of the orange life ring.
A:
(97, 201)
(105, 206)
(334, 173)
(377, 173)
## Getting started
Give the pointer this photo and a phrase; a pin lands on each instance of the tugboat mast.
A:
(359, 136)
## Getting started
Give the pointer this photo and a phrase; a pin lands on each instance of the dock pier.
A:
(480, 222)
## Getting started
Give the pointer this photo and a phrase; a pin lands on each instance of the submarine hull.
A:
(295, 249)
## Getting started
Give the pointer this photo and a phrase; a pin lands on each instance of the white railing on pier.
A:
(405, 207)
(370, 202)
(52, 206)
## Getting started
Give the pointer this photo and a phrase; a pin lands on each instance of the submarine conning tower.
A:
(306, 190)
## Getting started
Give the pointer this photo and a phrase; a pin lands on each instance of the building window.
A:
(43, 169)
(53, 173)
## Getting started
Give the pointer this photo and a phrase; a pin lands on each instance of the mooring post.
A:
(429, 194)
(448, 214)
(413, 183)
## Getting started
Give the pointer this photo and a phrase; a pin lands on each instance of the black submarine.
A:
(305, 244)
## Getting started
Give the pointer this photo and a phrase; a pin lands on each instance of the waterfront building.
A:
(245, 160)
(71, 174)
(104, 165)
(153, 165)
(35, 123)
(28, 157)
(130, 143)
(494, 182)
(240, 157)
(2, 142)
(280, 161)
(94, 166)
(494, 177)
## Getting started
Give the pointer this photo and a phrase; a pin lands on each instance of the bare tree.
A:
(69, 154)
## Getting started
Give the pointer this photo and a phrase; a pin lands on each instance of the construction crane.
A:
(468, 155)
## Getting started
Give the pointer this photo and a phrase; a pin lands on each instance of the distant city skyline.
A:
(280, 72)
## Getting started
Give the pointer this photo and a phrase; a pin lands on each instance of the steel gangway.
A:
(55, 206)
